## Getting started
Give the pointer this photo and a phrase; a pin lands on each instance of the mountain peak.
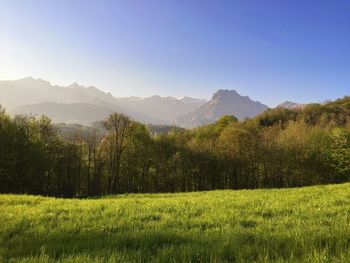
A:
(226, 94)
(226, 91)
(223, 92)
(229, 95)
(223, 102)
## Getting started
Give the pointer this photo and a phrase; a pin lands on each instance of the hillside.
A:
(83, 113)
(308, 224)
(223, 102)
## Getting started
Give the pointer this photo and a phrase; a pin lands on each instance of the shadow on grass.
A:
(56, 244)
(166, 244)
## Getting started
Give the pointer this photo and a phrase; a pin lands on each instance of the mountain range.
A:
(84, 105)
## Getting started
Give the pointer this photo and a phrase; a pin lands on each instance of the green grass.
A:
(309, 224)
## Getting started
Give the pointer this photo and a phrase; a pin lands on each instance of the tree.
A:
(237, 145)
(119, 127)
(340, 152)
(225, 121)
(94, 161)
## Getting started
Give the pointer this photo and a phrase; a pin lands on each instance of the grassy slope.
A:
(306, 224)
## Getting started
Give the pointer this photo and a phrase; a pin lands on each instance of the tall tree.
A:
(119, 127)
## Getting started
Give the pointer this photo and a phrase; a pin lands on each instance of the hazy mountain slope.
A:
(164, 110)
(195, 101)
(223, 102)
(28, 92)
(31, 91)
(82, 113)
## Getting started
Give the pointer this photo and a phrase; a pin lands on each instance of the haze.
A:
(270, 50)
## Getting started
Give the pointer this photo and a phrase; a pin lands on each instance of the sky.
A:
(270, 50)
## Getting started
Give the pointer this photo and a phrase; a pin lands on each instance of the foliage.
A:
(279, 148)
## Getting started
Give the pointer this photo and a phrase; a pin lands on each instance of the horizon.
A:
(272, 52)
(178, 98)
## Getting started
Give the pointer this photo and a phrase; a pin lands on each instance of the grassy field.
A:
(291, 225)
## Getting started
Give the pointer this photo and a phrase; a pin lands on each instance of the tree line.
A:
(278, 148)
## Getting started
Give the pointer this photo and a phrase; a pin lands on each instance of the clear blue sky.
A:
(269, 50)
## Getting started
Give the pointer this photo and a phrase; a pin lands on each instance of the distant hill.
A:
(223, 102)
(291, 105)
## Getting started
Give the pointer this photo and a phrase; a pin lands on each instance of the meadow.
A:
(310, 224)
